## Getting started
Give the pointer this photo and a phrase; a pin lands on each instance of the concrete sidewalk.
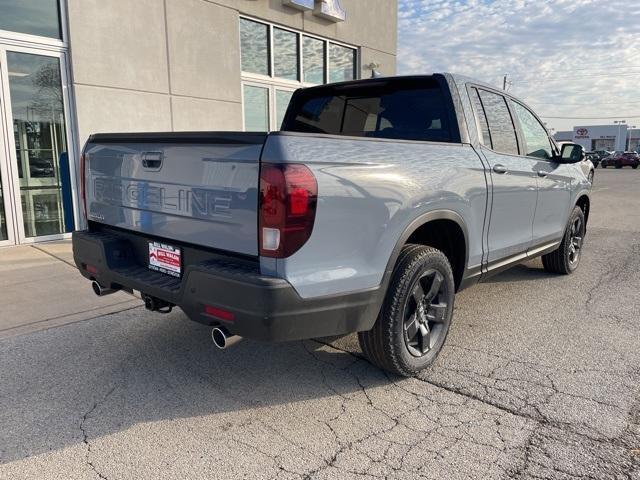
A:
(40, 287)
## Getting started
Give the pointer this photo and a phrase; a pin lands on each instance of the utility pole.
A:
(504, 82)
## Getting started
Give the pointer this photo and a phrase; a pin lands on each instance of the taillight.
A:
(288, 196)
(83, 196)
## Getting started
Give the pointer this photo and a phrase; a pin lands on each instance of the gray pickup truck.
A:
(374, 205)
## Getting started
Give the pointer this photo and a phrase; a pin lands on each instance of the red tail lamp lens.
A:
(288, 198)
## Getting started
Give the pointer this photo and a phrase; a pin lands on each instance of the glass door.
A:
(35, 127)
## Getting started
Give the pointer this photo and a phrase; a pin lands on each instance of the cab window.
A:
(537, 143)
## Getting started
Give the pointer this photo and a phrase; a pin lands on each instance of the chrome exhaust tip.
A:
(223, 339)
(101, 291)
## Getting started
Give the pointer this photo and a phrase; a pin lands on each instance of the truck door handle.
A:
(542, 173)
(498, 168)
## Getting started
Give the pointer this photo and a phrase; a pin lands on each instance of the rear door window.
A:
(501, 127)
(407, 110)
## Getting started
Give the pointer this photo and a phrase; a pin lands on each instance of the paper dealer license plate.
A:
(165, 258)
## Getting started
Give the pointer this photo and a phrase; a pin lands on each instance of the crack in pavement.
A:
(602, 449)
(85, 436)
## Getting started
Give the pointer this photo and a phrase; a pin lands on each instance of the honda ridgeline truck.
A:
(376, 203)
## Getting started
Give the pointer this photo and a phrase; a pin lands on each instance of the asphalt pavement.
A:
(540, 378)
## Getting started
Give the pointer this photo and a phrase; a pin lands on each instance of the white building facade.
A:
(603, 137)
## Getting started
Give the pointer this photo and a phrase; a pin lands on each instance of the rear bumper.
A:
(264, 308)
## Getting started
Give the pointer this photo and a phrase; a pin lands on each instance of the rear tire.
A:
(566, 258)
(416, 314)
(634, 166)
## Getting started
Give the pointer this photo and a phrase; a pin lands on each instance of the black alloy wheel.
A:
(576, 239)
(425, 313)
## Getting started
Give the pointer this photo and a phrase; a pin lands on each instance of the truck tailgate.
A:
(197, 188)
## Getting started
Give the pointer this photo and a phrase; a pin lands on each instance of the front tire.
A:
(416, 314)
(566, 258)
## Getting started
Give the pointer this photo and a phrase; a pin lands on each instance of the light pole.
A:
(620, 122)
(630, 132)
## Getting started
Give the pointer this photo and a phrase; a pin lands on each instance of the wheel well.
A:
(448, 237)
(584, 204)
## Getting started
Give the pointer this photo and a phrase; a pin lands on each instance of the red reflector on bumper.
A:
(219, 313)
(91, 269)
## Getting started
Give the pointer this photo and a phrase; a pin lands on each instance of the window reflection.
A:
(40, 139)
(254, 47)
(313, 60)
(282, 102)
(342, 62)
(285, 54)
(256, 109)
(35, 17)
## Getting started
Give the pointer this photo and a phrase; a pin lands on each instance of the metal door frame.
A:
(7, 191)
(10, 168)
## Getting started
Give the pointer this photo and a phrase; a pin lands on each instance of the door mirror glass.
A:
(572, 153)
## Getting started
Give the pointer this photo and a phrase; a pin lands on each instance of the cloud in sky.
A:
(566, 58)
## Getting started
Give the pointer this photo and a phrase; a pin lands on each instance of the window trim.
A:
(505, 96)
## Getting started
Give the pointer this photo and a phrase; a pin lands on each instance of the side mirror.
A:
(572, 153)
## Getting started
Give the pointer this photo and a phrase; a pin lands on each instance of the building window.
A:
(314, 60)
(254, 47)
(276, 61)
(342, 63)
(256, 108)
(285, 54)
(40, 17)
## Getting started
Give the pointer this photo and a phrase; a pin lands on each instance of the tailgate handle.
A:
(152, 160)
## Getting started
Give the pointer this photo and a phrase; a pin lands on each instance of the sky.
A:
(565, 58)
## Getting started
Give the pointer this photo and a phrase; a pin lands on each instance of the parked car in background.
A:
(596, 156)
(621, 159)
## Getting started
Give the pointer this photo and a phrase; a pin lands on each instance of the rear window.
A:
(406, 110)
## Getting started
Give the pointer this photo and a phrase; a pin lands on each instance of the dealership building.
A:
(70, 68)
(602, 137)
